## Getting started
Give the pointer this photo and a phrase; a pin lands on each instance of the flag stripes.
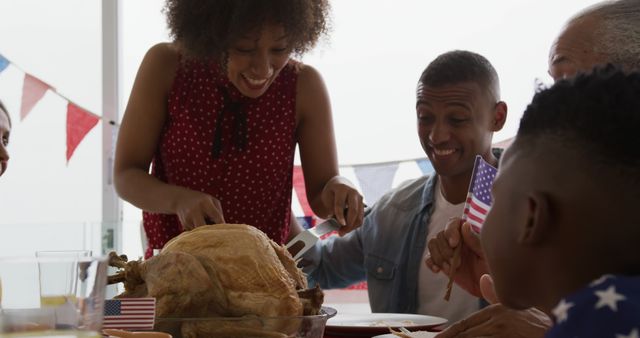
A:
(478, 200)
(129, 313)
(476, 212)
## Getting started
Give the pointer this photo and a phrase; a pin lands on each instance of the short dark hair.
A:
(207, 28)
(5, 111)
(595, 116)
(459, 66)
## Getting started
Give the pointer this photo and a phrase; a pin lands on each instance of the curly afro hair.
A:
(207, 28)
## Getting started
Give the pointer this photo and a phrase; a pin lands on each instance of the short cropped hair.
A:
(618, 31)
(459, 66)
(208, 28)
(595, 116)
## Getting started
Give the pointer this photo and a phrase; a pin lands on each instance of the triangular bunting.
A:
(79, 123)
(33, 89)
(4, 63)
(298, 186)
(375, 180)
(425, 166)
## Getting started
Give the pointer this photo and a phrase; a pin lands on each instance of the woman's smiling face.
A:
(255, 60)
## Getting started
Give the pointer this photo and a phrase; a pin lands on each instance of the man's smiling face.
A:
(454, 125)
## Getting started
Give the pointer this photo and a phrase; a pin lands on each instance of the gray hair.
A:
(618, 32)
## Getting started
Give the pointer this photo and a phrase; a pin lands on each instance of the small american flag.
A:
(479, 197)
(129, 313)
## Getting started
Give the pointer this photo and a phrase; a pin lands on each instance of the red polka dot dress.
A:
(237, 149)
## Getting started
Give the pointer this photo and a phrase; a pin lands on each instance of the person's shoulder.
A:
(307, 74)
(312, 98)
(396, 208)
(160, 64)
(407, 195)
(625, 289)
(606, 304)
(164, 52)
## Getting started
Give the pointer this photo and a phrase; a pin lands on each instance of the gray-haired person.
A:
(607, 32)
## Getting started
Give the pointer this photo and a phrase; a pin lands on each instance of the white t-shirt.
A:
(432, 287)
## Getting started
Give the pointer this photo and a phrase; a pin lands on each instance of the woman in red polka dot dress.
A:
(217, 115)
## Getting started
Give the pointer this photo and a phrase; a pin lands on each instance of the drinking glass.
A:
(52, 295)
(58, 275)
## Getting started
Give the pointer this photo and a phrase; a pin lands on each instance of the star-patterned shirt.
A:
(608, 308)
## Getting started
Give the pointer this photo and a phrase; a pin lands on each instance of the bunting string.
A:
(373, 179)
(80, 121)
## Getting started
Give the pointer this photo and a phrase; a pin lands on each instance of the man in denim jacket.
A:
(458, 109)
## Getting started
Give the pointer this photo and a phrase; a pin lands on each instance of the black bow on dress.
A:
(237, 109)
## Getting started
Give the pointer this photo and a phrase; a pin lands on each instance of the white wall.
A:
(44, 201)
(371, 63)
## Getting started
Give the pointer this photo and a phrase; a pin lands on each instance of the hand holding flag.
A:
(476, 207)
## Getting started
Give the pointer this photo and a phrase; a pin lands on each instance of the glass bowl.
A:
(248, 326)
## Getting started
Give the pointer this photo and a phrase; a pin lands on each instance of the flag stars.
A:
(561, 311)
(609, 298)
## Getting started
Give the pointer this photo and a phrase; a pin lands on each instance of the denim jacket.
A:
(386, 250)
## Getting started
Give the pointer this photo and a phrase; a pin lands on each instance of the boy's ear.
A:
(539, 219)
(499, 116)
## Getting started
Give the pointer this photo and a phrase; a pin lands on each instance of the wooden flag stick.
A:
(455, 261)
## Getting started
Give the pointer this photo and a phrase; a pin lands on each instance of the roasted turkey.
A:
(222, 270)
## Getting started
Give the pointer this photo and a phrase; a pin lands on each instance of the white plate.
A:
(379, 323)
(423, 334)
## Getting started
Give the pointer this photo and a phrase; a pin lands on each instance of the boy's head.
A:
(567, 189)
(458, 108)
